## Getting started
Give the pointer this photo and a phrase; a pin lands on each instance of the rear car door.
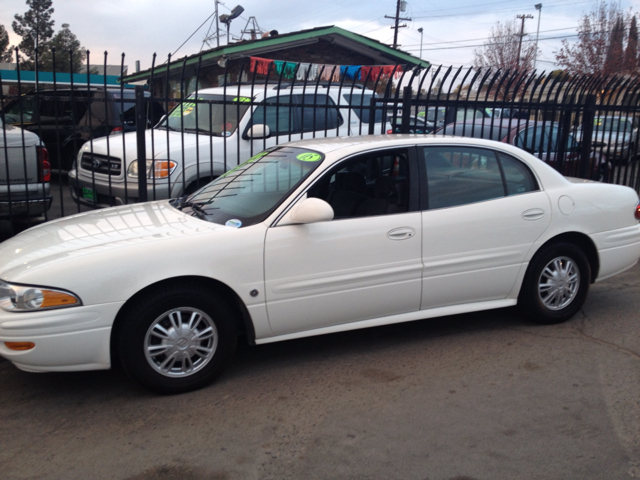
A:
(482, 211)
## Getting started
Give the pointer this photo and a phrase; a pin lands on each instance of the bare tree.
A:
(589, 54)
(501, 49)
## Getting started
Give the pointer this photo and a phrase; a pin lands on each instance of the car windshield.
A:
(431, 114)
(247, 194)
(216, 115)
(612, 124)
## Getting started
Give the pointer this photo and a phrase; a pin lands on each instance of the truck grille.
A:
(101, 164)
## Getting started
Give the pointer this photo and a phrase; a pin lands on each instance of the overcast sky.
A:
(140, 28)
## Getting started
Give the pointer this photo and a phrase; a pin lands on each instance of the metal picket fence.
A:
(110, 144)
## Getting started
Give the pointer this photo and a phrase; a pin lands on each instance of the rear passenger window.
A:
(462, 175)
(517, 175)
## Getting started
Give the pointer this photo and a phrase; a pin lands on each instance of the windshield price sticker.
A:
(242, 99)
(183, 110)
(309, 157)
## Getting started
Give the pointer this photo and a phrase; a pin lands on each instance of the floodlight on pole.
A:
(535, 56)
(226, 19)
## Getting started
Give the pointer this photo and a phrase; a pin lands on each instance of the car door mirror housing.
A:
(259, 131)
(309, 210)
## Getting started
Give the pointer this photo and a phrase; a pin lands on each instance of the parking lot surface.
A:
(478, 396)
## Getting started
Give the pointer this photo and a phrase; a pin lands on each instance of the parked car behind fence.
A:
(541, 139)
(615, 136)
(65, 118)
(213, 131)
(25, 173)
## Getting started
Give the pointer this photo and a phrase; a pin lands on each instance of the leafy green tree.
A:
(36, 29)
(69, 54)
(5, 49)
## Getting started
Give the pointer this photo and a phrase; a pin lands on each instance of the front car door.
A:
(365, 263)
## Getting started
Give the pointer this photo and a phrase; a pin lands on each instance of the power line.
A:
(498, 43)
(482, 38)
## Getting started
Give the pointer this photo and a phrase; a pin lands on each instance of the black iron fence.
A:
(118, 144)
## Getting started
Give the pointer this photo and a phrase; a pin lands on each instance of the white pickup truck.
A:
(212, 132)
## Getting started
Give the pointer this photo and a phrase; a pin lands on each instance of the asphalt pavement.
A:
(481, 396)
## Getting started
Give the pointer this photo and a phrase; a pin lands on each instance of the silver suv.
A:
(211, 132)
(25, 173)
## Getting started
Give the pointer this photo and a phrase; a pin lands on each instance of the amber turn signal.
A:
(20, 346)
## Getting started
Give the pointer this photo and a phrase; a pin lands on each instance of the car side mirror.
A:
(309, 210)
(259, 131)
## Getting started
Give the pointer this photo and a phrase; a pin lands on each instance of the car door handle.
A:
(533, 214)
(401, 233)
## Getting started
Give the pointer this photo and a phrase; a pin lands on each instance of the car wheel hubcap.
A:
(181, 342)
(559, 283)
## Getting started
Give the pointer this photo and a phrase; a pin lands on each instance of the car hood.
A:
(159, 144)
(13, 137)
(89, 233)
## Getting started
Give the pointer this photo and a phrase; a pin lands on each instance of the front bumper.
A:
(68, 339)
(100, 193)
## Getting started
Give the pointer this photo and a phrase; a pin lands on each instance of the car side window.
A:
(21, 111)
(321, 114)
(297, 114)
(533, 139)
(375, 184)
(464, 175)
(276, 117)
(517, 176)
(461, 175)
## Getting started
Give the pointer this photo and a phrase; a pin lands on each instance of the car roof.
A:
(249, 90)
(330, 144)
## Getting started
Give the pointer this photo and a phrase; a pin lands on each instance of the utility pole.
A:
(522, 34)
(397, 19)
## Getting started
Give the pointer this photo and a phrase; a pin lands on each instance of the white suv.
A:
(211, 132)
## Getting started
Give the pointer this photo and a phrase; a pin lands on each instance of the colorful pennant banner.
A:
(312, 71)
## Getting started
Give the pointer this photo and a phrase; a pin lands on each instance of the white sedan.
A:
(309, 238)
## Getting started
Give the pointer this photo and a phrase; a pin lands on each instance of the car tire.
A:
(556, 283)
(176, 339)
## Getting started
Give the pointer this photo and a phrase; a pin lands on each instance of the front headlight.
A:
(155, 168)
(26, 298)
